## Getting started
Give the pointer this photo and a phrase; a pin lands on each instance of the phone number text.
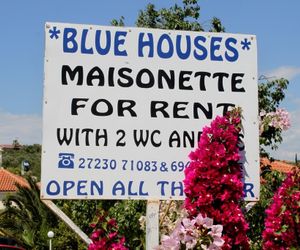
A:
(132, 165)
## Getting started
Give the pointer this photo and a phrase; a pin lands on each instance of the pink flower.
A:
(112, 235)
(95, 235)
(105, 235)
(280, 119)
(112, 222)
(216, 230)
(169, 243)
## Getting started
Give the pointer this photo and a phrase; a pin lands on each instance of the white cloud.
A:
(291, 140)
(27, 129)
(288, 72)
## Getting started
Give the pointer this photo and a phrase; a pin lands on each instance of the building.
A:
(8, 182)
(280, 166)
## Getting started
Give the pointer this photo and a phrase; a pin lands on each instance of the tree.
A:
(13, 158)
(26, 217)
(185, 17)
(270, 95)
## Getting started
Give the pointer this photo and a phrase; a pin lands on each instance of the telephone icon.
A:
(66, 160)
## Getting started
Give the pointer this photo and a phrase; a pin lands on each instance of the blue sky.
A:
(275, 23)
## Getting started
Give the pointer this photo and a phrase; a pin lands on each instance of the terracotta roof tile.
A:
(280, 166)
(10, 146)
(8, 181)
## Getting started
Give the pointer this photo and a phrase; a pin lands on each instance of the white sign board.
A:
(124, 107)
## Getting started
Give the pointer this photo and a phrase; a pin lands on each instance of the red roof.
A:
(10, 146)
(280, 166)
(8, 181)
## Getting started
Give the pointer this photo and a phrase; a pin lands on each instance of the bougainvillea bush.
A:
(282, 223)
(105, 235)
(270, 181)
(213, 180)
